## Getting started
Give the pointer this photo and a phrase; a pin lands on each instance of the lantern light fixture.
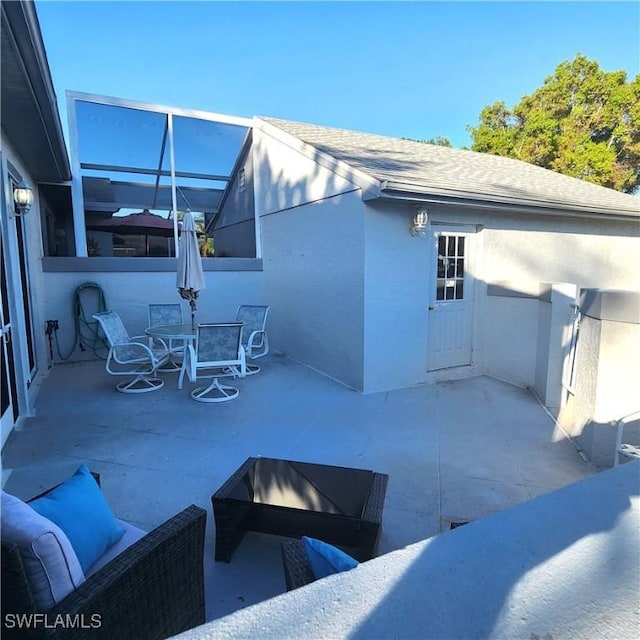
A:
(23, 198)
(419, 223)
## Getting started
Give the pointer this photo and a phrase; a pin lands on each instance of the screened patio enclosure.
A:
(138, 168)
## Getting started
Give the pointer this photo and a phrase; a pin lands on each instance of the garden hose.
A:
(87, 335)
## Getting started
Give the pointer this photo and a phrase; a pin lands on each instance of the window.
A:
(450, 268)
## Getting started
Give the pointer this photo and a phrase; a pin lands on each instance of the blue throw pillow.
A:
(325, 559)
(79, 508)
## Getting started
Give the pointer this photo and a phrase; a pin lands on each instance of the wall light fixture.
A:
(23, 198)
(419, 223)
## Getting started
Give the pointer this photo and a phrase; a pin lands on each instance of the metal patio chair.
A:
(161, 314)
(132, 355)
(626, 449)
(218, 353)
(255, 339)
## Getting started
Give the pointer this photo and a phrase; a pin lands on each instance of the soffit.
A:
(30, 117)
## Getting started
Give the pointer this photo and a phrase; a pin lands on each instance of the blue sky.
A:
(406, 69)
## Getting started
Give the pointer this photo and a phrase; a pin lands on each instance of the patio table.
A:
(185, 332)
(339, 505)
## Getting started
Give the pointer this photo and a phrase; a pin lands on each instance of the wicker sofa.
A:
(152, 590)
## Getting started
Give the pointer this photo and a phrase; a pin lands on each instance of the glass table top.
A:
(184, 331)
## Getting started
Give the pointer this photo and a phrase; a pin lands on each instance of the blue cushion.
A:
(50, 563)
(79, 508)
(325, 559)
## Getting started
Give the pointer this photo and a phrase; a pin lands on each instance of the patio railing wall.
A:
(579, 354)
(527, 330)
(607, 376)
(129, 286)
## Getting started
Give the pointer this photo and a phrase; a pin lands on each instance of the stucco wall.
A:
(311, 226)
(313, 270)
(608, 379)
(397, 288)
(130, 293)
(572, 252)
(511, 337)
(531, 249)
(507, 341)
(304, 234)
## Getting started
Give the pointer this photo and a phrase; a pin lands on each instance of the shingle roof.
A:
(404, 166)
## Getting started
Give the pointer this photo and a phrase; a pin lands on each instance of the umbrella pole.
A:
(192, 304)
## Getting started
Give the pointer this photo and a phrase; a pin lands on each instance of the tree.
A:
(441, 141)
(582, 122)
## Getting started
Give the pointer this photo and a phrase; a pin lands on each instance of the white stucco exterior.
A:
(311, 224)
(608, 376)
(130, 294)
(396, 296)
(341, 265)
(314, 284)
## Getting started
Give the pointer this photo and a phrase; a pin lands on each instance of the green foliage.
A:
(582, 122)
(438, 140)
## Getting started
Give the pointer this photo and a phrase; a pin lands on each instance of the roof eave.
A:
(391, 192)
(23, 24)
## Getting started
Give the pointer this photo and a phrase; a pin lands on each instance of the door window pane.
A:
(450, 265)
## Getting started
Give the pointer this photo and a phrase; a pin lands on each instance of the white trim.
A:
(77, 196)
(145, 106)
(453, 227)
(174, 195)
(434, 231)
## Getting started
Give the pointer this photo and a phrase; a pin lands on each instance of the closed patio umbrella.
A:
(190, 279)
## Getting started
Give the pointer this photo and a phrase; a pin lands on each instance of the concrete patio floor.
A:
(454, 451)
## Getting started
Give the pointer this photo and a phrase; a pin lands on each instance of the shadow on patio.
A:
(453, 451)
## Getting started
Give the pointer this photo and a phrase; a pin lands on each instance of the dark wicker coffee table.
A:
(339, 505)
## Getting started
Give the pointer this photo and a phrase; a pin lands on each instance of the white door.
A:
(451, 304)
(9, 401)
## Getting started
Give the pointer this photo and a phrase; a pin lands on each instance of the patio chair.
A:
(161, 314)
(218, 353)
(132, 356)
(152, 589)
(255, 340)
(297, 570)
(625, 449)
